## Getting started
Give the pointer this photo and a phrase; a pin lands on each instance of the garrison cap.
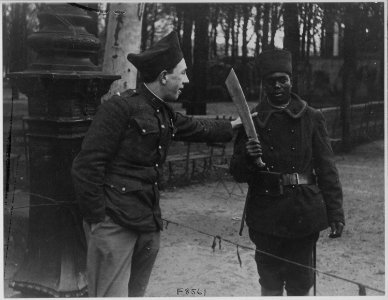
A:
(271, 61)
(163, 55)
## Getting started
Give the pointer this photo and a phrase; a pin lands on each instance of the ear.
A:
(163, 77)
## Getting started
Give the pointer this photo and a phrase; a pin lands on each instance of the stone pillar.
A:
(64, 89)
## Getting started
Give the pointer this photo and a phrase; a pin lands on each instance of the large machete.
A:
(238, 98)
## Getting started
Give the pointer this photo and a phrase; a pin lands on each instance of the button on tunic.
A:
(116, 171)
(305, 150)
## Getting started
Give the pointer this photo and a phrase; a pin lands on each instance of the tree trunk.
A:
(188, 15)
(216, 12)
(153, 19)
(201, 50)
(244, 49)
(315, 30)
(226, 29)
(328, 31)
(309, 25)
(237, 32)
(291, 38)
(144, 26)
(179, 17)
(264, 41)
(259, 12)
(123, 37)
(349, 71)
(232, 22)
(303, 10)
(227, 38)
(274, 24)
(186, 45)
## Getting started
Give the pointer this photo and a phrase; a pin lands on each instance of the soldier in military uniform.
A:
(116, 173)
(298, 194)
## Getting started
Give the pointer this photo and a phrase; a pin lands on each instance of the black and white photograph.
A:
(194, 149)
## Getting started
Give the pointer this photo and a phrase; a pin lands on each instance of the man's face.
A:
(175, 81)
(278, 87)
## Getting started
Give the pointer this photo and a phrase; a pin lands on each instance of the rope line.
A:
(362, 287)
(54, 202)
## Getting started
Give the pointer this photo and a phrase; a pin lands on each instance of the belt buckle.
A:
(294, 180)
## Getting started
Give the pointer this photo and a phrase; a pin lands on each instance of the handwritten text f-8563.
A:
(190, 292)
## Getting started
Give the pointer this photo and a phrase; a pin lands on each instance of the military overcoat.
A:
(117, 170)
(294, 140)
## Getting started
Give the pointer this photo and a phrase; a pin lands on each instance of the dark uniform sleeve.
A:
(241, 165)
(196, 130)
(99, 145)
(327, 174)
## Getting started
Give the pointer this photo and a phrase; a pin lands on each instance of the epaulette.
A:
(129, 93)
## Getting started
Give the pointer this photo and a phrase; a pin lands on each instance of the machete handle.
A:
(259, 162)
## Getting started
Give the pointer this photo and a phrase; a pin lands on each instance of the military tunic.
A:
(116, 172)
(294, 140)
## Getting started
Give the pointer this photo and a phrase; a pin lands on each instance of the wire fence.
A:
(362, 287)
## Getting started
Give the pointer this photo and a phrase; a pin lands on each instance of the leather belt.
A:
(297, 179)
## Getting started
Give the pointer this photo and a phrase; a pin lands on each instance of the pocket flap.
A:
(145, 126)
(313, 188)
(123, 185)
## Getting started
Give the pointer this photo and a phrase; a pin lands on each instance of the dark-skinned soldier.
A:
(298, 194)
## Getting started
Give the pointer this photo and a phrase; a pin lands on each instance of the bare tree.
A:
(309, 28)
(236, 31)
(349, 71)
(187, 48)
(264, 40)
(201, 52)
(246, 8)
(327, 29)
(123, 37)
(225, 27)
(291, 37)
(276, 11)
(258, 27)
(303, 13)
(215, 11)
(144, 26)
(232, 22)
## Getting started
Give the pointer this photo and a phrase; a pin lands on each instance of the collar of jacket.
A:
(155, 101)
(295, 110)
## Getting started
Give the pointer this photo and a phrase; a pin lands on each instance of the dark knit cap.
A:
(272, 61)
(163, 55)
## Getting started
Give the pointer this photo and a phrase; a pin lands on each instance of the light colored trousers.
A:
(119, 260)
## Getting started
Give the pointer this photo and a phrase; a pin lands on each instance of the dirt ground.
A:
(187, 261)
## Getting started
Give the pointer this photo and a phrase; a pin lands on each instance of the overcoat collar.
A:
(155, 101)
(295, 110)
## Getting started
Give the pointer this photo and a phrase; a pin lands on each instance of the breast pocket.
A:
(145, 127)
(142, 138)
